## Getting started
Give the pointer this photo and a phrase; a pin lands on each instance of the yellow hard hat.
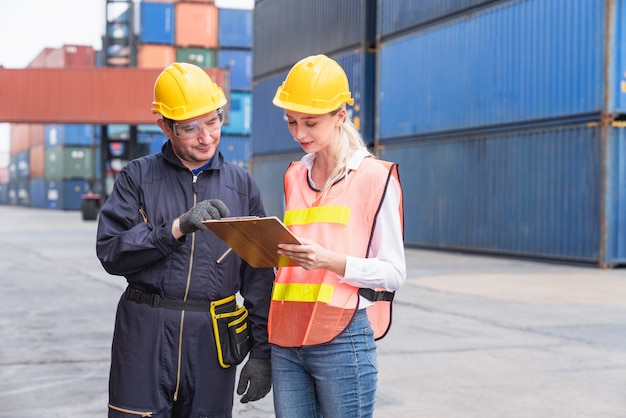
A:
(184, 91)
(315, 85)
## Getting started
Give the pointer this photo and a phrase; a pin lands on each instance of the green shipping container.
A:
(202, 57)
(65, 162)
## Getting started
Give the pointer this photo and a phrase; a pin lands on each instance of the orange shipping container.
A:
(196, 25)
(37, 134)
(155, 56)
(37, 161)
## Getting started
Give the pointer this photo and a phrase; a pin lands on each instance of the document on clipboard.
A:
(255, 239)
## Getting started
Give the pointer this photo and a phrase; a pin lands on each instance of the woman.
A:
(345, 206)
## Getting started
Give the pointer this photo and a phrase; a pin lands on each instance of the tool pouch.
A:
(232, 334)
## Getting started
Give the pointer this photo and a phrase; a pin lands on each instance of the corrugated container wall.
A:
(66, 56)
(202, 57)
(517, 62)
(286, 31)
(395, 16)
(239, 63)
(196, 25)
(533, 192)
(156, 22)
(239, 117)
(20, 137)
(65, 194)
(37, 161)
(69, 134)
(236, 149)
(270, 134)
(235, 28)
(268, 172)
(516, 192)
(37, 192)
(19, 165)
(66, 162)
(155, 56)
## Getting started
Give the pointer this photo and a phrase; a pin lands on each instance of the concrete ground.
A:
(473, 336)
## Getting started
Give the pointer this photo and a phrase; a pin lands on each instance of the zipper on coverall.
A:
(182, 313)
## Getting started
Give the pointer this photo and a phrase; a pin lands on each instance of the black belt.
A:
(376, 295)
(157, 301)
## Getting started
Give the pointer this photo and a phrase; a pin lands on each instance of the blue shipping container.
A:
(70, 134)
(234, 28)
(38, 192)
(157, 144)
(533, 192)
(19, 192)
(66, 194)
(240, 65)
(285, 31)
(239, 114)
(270, 133)
(398, 15)
(268, 171)
(4, 193)
(156, 22)
(236, 149)
(513, 63)
(19, 165)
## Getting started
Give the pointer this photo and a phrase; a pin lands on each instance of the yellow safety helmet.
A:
(315, 85)
(184, 91)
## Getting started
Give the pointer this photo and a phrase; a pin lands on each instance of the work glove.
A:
(191, 221)
(256, 376)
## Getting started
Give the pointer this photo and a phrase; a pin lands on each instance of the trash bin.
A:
(90, 206)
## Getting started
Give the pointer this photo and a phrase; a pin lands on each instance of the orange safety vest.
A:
(311, 307)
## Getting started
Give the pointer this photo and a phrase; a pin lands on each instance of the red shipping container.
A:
(66, 56)
(4, 175)
(20, 137)
(98, 95)
(196, 25)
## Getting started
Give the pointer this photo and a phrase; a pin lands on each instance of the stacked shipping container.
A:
(505, 116)
(51, 166)
(343, 30)
(203, 34)
(54, 172)
(235, 54)
(509, 127)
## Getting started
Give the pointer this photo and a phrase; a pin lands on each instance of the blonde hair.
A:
(348, 142)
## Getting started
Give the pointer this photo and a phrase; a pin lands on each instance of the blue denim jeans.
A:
(333, 380)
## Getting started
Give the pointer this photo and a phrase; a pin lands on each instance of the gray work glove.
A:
(191, 221)
(256, 376)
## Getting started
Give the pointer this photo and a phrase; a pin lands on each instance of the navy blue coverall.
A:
(164, 361)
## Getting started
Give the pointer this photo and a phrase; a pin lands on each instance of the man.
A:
(164, 359)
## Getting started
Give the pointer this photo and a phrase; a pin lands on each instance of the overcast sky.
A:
(29, 26)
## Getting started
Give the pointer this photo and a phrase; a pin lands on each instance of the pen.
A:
(219, 260)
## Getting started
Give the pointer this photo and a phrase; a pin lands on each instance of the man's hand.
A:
(256, 376)
(191, 221)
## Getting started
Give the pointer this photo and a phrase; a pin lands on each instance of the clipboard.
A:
(255, 239)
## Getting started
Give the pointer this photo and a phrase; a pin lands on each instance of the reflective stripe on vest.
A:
(311, 306)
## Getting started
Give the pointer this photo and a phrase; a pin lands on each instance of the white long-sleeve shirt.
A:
(385, 266)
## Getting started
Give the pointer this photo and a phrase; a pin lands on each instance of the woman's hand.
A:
(309, 255)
